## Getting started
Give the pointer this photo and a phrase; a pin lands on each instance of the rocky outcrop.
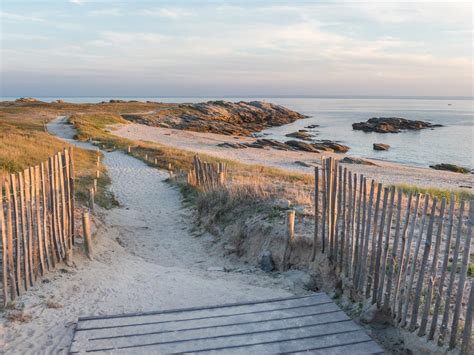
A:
(301, 134)
(329, 146)
(381, 146)
(306, 147)
(223, 117)
(391, 125)
(26, 99)
(351, 160)
(450, 167)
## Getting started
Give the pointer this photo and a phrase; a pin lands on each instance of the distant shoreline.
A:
(348, 97)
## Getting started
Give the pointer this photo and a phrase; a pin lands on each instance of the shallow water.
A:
(453, 143)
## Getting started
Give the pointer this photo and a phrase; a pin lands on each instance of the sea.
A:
(453, 143)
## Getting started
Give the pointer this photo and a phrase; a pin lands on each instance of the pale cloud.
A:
(171, 13)
(111, 38)
(106, 12)
(20, 18)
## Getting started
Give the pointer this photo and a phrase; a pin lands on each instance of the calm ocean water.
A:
(453, 143)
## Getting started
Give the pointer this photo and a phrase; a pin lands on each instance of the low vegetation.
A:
(433, 191)
(24, 142)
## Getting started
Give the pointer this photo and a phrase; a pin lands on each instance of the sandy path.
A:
(146, 258)
(206, 143)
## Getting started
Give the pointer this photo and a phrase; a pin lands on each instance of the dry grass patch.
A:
(17, 315)
(53, 304)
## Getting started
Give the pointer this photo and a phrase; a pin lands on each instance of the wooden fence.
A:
(207, 175)
(408, 254)
(37, 222)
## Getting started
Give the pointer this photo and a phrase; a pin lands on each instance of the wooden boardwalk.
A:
(309, 324)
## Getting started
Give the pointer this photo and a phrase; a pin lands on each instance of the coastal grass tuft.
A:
(433, 191)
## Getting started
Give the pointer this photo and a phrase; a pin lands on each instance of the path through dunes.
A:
(146, 258)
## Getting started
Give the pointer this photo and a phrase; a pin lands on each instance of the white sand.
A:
(206, 143)
(146, 258)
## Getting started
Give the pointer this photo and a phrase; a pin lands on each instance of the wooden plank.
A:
(365, 254)
(24, 233)
(17, 236)
(356, 249)
(68, 192)
(204, 312)
(405, 261)
(349, 228)
(29, 224)
(33, 224)
(44, 217)
(63, 208)
(324, 212)
(6, 297)
(449, 290)
(373, 249)
(73, 197)
(296, 324)
(379, 247)
(337, 248)
(467, 336)
(421, 271)
(9, 245)
(353, 224)
(329, 186)
(52, 211)
(409, 284)
(444, 267)
(316, 212)
(59, 220)
(363, 240)
(39, 220)
(401, 255)
(462, 277)
(434, 267)
(391, 267)
(334, 212)
(383, 269)
(290, 236)
(343, 227)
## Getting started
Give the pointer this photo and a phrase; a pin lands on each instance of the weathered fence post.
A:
(467, 336)
(462, 277)
(316, 211)
(91, 199)
(290, 235)
(87, 234)
(449, 290)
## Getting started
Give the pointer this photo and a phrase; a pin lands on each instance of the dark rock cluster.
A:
(328, 146)
(391, 125)
(450, 167)
(381, 146)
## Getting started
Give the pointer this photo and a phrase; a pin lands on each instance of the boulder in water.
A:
(391, 125)
(381, 146)
(450, 167)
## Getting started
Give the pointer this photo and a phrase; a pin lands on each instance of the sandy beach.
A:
(207, 143)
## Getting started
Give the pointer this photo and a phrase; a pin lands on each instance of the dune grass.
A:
(433, 191)
(24, 142)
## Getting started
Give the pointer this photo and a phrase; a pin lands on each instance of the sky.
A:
(236, 48)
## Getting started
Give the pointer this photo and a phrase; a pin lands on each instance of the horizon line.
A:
(428, 97)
